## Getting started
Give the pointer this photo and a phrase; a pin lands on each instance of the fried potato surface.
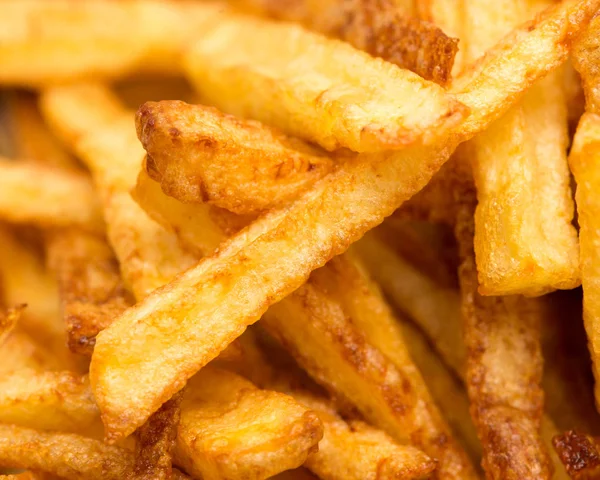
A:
(586, 58)
(231, 429)
(156, 442)
(113, 39)
(199, 154)
(579, 453)
(520, 163)
(319, 321)
(504, 362)
(368, 105)
(8, 321)
(68, 456)
(91, 289)
(382, 28)
(44, 196)
(60, 401)
(344, 204)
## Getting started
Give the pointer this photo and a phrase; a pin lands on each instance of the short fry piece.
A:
(230, 429)
(199, 154)
(210, 305)
(379, 27)
(579, 453)
(156, 442)
(367, 105)
(60, 401)
(584, 160)
(92, 292)
(113, 39)
(45, 196)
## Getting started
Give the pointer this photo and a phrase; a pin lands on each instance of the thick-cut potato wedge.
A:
(229, 426)
(579, 453)
(113, 39)
(319, 321)
(96, 126)
(199, 154)
(156, 442)
(504, 361)
(520, 163)
(45, 196)
(60, 401)
(91, 289)
(211, 304)
(383, 28)
(367, 105)
(583, 160)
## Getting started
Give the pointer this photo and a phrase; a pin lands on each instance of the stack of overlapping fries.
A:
(300, 239)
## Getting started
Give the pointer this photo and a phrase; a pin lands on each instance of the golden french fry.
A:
(199, 154)
(60, 401)
(320, 321)
(211, 304)
(228, 426)
(114, 39)
(579, 453)
(366, 106)
(91, 289)
(583, 160)
(156, 442)
(44, 196)
(504, 361)
(382, 28)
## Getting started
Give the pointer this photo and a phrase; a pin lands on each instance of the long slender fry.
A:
(220, 297)
(366, 106)
(351, 332)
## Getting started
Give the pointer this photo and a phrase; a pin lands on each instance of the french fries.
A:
(311, 320)
(583, 159)
(114, 39)
(59, 401)
(344, 204)
(229, 426)
(44, 196)
(196, 166)
(407, 42)
(307, 95)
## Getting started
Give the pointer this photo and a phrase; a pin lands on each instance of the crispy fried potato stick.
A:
(366, 106)
(319, 321)
(579, 453)
(211, 304)
(156, 442)
(93, 122)
(504, 361)
(199, 154)
(44, 196)
(583, 160)
(519, 163)
(24, 279)
(60, 401)
(91, 289)
(229, 426)
(113, 39)
(383, 28)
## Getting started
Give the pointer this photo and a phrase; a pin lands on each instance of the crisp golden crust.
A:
(156, 442)
(586, 60)
(231, 429)
(379, 27)
(345, 205)
(199, 154)
(43, 195)
(90, 285)
(579, 453)
(367, 105)
(504, 361)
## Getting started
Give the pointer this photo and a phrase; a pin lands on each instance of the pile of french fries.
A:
(337, 240)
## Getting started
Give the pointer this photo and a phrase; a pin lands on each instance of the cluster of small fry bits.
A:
(334, 239)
